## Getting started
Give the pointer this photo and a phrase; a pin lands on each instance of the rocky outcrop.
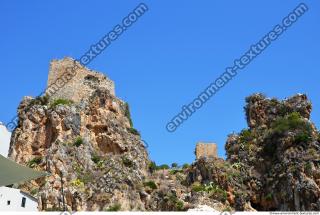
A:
(96, 159)
(279, 153)
(83, 135)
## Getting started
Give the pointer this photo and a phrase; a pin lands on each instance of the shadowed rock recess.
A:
(98, 162)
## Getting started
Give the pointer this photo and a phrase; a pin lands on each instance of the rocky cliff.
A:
(279, 154)
(97, 161)
(96, 158)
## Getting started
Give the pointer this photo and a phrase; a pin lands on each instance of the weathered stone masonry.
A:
(76, 86)
(206, 150)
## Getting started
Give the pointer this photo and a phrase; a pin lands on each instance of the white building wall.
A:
(5, 136)
(15, 197)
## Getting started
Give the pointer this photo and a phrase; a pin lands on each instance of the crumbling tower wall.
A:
(206, 150)
(68, 79)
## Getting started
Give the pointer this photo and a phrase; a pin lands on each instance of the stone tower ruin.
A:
(206, 150)
(68, 79)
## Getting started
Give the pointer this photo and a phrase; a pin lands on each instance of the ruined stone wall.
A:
(77, 85)
(206, 150)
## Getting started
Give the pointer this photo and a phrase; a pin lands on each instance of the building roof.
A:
(13, 173)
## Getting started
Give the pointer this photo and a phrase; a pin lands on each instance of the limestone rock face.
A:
(96, 159)
(82, 134)
(261, 111)
(279, 153)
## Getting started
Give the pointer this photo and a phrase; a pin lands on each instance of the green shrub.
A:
(175, 171)
(174, 165)
(302, 138)
(61, 102)
(34, 191)
(95, 158)
(78, 141)
(269, 197)
(290, 122)
(245, 136)
(180, 206)
(127, 162)
(308, 166)
(34, 162)
(128, 114)
(134, 131)
(151, 184)
(100, 164)
(40, 100)
(216, 192)
(197, 187)
(163, 166)
(185, 166)
(152, 166)
(220, 194)
(114, 208)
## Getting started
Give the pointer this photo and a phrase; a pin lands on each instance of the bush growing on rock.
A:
(180, 206)
(174, 165)
(40, 100)
(127, 162)
(78, 141)
(172, 203)
(175, 171)
(269, 197)
(34, 162)
(219, 194)
(185, 166)
(197, 187)
(163, 167)
(152, 166)
(34, 191)
(302, 137)
(245, 136)
(290, 122)
(114, 208)
(134, 131)
(57, 102)
(151, 184)
(96, 158)
(128, 114)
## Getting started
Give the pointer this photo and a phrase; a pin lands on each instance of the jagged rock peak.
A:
(279, 154)
(261, 111)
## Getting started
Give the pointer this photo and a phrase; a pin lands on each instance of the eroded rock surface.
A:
(95, 157)
(280, 153)
(98, 162)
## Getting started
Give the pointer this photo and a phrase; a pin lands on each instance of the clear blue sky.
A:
(164, 60)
